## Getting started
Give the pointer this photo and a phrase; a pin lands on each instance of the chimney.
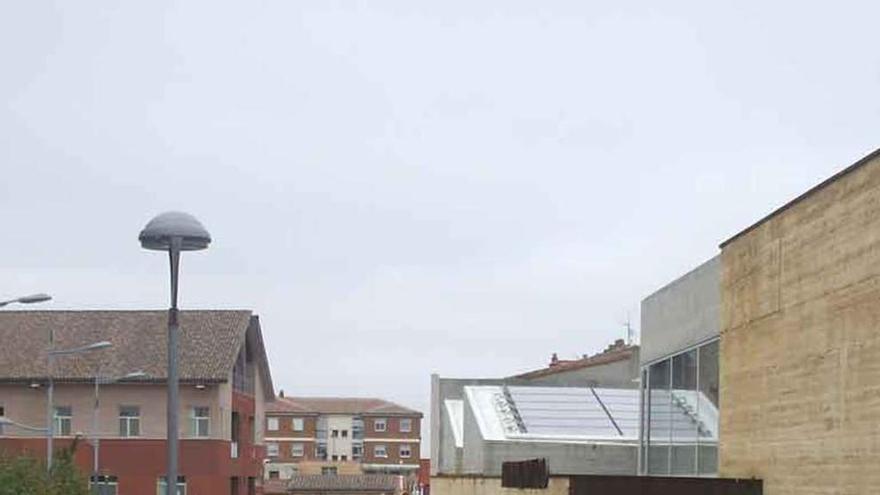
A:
(554, 360)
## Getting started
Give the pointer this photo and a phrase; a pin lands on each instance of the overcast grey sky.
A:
(400, 188)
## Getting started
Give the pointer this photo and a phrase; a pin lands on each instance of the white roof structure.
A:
(580, 414)
(455, 410)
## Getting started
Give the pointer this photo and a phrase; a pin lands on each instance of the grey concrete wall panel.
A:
(563, 459)
(682, 314)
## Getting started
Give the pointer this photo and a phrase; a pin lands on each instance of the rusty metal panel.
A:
(655, 485)
(525, 474)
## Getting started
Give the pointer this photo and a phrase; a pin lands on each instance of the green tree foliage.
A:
(21, 475)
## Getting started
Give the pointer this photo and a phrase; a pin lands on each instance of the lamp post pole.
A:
(96, 439)
(173, 232)
(173, 385)
(50, 404)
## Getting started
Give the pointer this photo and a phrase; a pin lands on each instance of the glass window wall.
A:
(679, 434)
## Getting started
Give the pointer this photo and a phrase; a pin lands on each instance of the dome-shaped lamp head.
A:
(160, 230)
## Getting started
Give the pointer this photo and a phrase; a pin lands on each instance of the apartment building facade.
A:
(224, 383)
(340, 436)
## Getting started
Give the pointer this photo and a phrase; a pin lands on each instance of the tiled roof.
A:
(338, 405)
(344, 483)
(209, 344)
(609, 356)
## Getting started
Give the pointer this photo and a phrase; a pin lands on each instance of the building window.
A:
(201, 421)
(321, 451)
(334, 434)
(104, 485)
(405, 425)
(380, 451)
(357, 429)
(273, 475)
(129, 421)
(272, 424)
(162, 485)
(405, 451)
(380, 424)
(343, 458)
(2, 413)
(679, 432)
(63, 416)
(334, 457)
(297, 450)
(357, 450)
(298, 424)
(272, 449)
(328, 470)
(344, 433)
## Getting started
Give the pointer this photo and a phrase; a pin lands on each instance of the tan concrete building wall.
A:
(800, 344)
(474, 485)
(28, 406)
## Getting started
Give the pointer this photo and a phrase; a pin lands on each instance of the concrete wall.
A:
(800, 345)
(682, 314)
(445, 458)
(448, 485)
(472, 458)
(563, 459)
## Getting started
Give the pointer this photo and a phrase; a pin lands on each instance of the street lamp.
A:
(96, 439)
(50, 404)
(173, 232)
(31, 299)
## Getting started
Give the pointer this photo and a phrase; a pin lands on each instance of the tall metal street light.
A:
(173, 232)
(96, 439)
(50, 404)
(31, 299)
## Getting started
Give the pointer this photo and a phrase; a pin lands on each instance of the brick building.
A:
(340, 436)
(224, 383)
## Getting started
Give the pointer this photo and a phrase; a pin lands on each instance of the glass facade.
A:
(679, 427)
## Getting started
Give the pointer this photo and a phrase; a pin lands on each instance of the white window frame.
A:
(408, 422)
(404, 447)
(196, 421)
(380, 421)
(162, 483)
(270, 448)
(60, 421)
(297, 449)
(298, 424)
(272, 424)
(384, 451)
(128, 421)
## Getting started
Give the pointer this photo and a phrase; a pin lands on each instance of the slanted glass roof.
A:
(567, 411)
